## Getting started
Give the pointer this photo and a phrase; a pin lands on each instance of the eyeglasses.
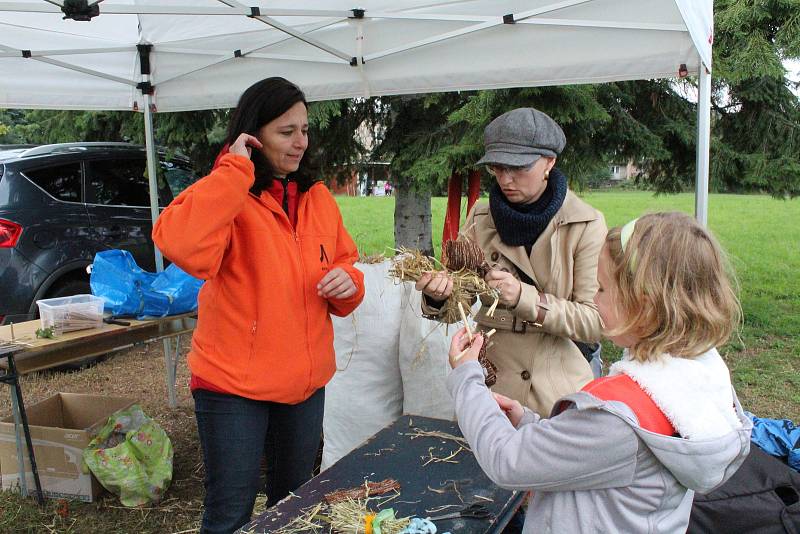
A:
(513, 171)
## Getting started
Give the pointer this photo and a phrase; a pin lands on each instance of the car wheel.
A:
(69, 288)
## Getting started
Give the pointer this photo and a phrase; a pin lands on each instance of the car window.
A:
(117, 182)
(178, 176)
(61, 181)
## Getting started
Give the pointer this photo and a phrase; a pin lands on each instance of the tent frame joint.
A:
(255, 11)
(144, 50)
(146, 88)
(357, 13)
(509, 19)
(80, 10)
(26, 53)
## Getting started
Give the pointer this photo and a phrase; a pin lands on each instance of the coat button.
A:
(526, 375)
(495, 256)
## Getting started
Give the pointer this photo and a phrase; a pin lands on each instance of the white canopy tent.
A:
(177, 55)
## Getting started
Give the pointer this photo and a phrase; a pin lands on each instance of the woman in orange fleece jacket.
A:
(277, 261)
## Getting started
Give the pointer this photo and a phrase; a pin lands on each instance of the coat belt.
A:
(505, 320)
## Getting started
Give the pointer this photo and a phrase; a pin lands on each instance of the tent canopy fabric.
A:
(205, 53)
(180, 55)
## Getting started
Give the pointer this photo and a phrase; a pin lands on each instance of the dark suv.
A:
(60, 204)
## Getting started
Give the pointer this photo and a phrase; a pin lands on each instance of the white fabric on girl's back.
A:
(694, 393)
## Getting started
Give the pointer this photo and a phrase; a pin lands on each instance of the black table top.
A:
(427, 486)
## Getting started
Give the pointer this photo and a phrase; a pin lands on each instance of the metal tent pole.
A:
(152, 169)
(170, 353)
(150, 145)
(703, 145)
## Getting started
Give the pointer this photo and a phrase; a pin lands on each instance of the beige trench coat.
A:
(537, 365)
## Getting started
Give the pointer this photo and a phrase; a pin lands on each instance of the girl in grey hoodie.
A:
(627, 452)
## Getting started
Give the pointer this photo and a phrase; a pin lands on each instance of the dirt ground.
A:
(138, 373)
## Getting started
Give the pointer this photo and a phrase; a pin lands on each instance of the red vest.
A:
(624, 389)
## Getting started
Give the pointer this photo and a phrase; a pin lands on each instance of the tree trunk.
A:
(412, 219)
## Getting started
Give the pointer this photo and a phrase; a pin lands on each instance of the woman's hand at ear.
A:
(243, 145)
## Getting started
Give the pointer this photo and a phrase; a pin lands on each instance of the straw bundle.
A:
(362, 492)
(410, 265)
(351, 516)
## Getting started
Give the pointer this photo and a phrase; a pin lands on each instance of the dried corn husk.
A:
(467, 255)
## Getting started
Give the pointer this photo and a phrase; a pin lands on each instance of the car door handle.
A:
(114, 231)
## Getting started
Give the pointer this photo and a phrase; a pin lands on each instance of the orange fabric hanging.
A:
(473, 188)
(453, 214)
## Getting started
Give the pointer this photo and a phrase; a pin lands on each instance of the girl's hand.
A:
(242, 145)
(509, 287)
(460, 343)
(437, 285)
(336, 284)
(513, 409)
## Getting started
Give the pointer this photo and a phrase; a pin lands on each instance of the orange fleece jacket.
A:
(262, 331)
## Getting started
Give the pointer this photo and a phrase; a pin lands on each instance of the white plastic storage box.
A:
(65, 314)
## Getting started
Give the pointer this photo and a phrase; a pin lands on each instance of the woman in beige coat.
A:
(542, 243)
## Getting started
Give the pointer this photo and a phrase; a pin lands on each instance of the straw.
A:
(486, 336)
(464, 318)
(410, 265)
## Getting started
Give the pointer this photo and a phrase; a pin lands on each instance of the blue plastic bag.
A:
(777, 437)
(129, 290)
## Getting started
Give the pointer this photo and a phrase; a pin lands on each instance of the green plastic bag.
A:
(131, 457)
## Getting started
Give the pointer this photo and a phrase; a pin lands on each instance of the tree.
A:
(757, 116)
(197, 134)
(9, 118)
(428, 138)
(755, 113)
(431, 137)
(416, 141)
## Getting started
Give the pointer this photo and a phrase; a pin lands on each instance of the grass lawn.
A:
(762, 236)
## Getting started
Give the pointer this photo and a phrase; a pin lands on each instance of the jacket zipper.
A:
(302, 271)
(253, 340)
(305, 306)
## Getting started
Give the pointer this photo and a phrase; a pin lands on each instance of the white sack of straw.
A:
(366, 393)
(424, 345)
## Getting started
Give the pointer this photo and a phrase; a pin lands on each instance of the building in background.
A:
(365, 179)
(623, 171)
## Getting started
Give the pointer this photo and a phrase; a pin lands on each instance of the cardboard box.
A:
(61, 427)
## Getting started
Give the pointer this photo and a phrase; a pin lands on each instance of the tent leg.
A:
(152, 169)
(172, 351)
(703, 145)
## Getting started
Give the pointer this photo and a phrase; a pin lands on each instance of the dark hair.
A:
(260, 104)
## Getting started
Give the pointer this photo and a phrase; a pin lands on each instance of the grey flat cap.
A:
(519, 137)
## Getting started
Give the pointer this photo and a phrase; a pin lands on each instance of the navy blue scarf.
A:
(522, 224)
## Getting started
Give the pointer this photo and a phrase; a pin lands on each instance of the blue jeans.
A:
(235, 433)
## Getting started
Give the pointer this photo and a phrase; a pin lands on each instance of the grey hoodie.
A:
(592, 468)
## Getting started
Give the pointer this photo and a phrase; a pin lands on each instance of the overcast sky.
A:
(793, 68)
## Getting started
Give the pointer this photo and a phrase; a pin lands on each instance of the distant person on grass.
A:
(627, 452)
(541, 242)
(268, 238)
